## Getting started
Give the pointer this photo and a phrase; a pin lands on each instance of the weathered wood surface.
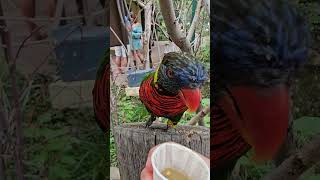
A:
(133, 142)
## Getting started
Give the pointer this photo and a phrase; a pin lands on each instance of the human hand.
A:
(147, 172)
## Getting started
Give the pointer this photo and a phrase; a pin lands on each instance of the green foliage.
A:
(203, 54)
(313, 177)
(58, 144)
(305, 93)
(311, 10)
(65, 145)
(132, 110)
(113, 152)
(307, 126)
(246, 169)
(183, 12)
(188, 115)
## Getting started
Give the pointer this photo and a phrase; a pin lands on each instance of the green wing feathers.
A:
(148, 75)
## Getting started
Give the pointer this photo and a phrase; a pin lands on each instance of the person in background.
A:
(121, 60)
(136, 41)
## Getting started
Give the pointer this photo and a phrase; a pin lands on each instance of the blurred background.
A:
(49, 54)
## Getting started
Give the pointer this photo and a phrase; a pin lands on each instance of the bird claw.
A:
(148, 124)
(150, 121)
(170, 129)
(158, 126)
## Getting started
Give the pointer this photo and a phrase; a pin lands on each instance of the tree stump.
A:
(133, 142)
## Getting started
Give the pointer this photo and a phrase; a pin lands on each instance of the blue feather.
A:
(266, 34)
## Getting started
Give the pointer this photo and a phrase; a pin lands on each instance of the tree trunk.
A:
(3, 119)
(173, 26)
(2, 169)
(3, 134)
(11, 62)
(147, 33)
(133, 142)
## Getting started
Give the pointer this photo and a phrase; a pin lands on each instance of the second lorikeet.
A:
(258, 45)
(101, 93)
(173, 88)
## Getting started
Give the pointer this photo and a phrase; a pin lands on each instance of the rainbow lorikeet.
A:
(101, 93)
(257, 47)
(173, 88)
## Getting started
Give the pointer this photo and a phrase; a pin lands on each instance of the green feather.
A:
(148, 75)
(155, 79)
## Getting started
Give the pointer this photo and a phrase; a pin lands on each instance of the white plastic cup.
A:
(181, 158)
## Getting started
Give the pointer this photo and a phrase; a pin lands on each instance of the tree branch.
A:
(207, 5)
(140, 3)
(3, 132)
(3, 119)
(195, 21)
(298, 163)
(17, 106)
(199, 116)
(173, 27)
(147, 32)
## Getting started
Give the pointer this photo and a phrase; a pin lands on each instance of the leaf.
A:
(32, 132)
(52, 133)
(45, 117)
(307, 126)
(40, 158)
(68, 160)
(314, 177)
(81, 160)
(205, 101)
(58, 172)
(25, 96)
(56, 144)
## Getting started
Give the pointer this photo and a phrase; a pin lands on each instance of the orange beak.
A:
(264, 117)
(191, 97)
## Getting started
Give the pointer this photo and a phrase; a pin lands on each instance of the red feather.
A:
(160, 105)
(226, 141)
(101, 99)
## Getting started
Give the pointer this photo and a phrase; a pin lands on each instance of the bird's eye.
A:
(170, 73)
(193, 79)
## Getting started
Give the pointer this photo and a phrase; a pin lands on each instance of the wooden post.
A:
(133, 142)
